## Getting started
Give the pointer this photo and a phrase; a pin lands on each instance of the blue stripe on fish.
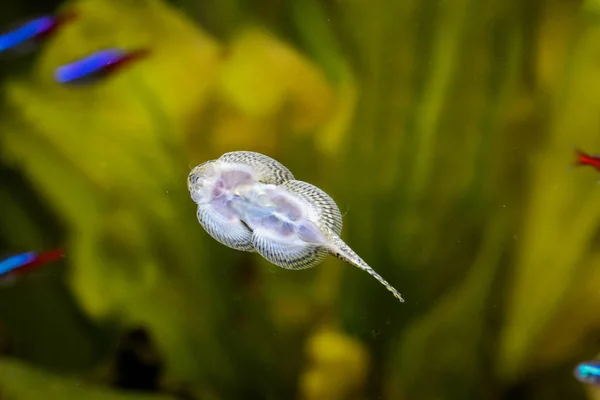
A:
(16, 261)
(588, 372)
(26, 32)
(99, 64)
(87, 66)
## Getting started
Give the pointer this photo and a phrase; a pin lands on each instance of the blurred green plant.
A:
(443, 130)
(19, 381)
(111, 160)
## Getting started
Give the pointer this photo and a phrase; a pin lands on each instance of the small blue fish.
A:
(11, 263)
(588, 372)
(35, 30)
(25, 262)
(97, 65)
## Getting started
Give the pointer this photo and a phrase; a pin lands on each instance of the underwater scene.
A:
(300, 200)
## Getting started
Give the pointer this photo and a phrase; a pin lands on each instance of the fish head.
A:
(588, 372)
(202, 182)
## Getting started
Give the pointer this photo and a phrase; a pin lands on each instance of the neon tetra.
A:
(97, 65)
(32, 32)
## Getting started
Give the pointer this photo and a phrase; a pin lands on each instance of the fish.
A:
(28, 261)
(97, 65)
(32, 32)
(584, 158)
(588, 372)
(251, 202)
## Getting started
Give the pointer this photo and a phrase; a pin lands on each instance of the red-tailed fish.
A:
(32, 32)
(97, 65)
(26, 262)
(583, 158)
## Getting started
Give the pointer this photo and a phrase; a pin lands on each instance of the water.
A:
(444, 131)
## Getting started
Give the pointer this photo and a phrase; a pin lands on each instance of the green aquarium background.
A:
(443, 129)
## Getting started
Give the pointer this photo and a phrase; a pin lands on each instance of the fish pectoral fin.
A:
(330, 217)
(270, 171)
(231, 232)
(287, 253)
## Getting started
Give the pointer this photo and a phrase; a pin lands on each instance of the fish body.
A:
(588, 372)
(587, 159)
(25, 262)
(250, 202)
(96, 65)
(27, 34)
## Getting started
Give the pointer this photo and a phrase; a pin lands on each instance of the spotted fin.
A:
(329, 213)
(342, 251)
(229, 231)
(270, 170)
(287, 253)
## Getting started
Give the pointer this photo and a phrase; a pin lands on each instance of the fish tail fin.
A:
(341, 250)
(67, 16)
(138, 53)
(39, 260)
